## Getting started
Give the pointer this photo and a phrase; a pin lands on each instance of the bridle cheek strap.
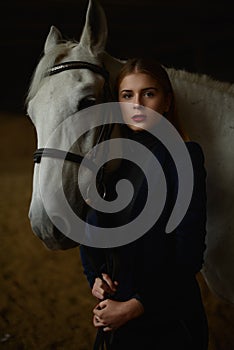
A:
(60, 154)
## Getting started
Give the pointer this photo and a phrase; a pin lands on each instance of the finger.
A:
(97, 322)
(99, 283)
(102, 304)
(109, 282)
(100, 288)
(97, 319)
(97, 310)
(98, 294)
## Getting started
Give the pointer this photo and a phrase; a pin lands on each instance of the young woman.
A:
(148, 295)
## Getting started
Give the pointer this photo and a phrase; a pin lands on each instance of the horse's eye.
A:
(86, 102)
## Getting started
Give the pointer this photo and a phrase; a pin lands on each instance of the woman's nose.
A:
(137, 106)
(137, 101)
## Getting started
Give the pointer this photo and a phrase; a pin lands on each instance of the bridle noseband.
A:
(59, 154)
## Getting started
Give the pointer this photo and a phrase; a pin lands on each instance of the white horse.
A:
(70, 77)
(206, 107)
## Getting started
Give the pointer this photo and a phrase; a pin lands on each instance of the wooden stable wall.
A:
(194, 35)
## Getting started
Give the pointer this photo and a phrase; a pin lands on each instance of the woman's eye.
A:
(149, 94)
(86, 102)
(126, 96)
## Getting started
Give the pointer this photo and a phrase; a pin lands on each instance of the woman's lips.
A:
(139, 118)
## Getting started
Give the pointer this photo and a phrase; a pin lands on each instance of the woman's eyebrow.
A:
(150, 88)
(147, 88)
(125, 90)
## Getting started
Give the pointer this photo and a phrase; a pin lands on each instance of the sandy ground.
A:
(45, 302)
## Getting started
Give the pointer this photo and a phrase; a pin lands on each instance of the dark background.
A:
(197, 36)
(45, 301)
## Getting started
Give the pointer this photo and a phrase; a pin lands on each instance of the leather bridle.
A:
(69, 156)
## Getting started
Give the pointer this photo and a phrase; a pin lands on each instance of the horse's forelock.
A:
(47, 61)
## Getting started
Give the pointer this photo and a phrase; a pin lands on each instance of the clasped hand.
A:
(112, 314)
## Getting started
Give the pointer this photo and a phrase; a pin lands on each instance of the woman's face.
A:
(141, 90)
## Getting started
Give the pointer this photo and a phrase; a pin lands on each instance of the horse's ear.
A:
(53, 38)
(94, 33)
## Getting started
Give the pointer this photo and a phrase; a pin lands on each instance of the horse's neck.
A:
(201, 79)
(201, 100)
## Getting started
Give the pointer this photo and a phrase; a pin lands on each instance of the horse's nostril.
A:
(62, 225)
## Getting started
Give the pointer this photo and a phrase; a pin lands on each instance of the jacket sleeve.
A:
(88, 269)
(173, 259)
(93, 262)
(190, 233)
(92, 259)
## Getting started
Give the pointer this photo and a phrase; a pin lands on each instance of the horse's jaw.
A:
(41, 222)
(44, 229)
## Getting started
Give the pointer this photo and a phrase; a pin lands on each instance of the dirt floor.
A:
(45, 301)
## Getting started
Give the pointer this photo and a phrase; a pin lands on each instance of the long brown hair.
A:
(157, 71)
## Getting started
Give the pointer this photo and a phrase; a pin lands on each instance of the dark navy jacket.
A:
(158, 269)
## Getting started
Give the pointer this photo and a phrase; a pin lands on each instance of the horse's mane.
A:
(46, 62)
(201, 79)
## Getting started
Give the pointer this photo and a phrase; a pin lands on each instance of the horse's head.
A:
(69, 77)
